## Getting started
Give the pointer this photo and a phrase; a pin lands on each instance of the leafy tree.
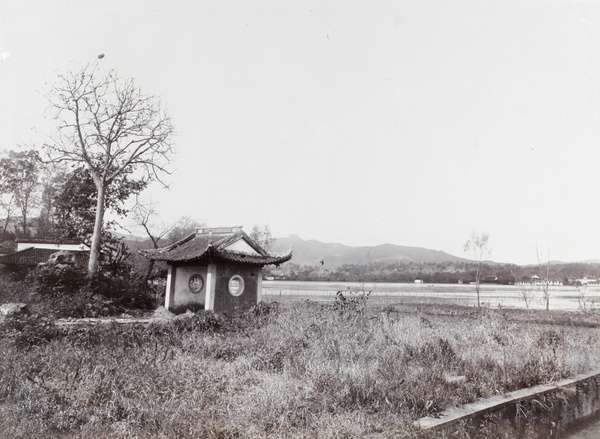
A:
(52, 180)
(7, 203)
(74, 205)
(19, 174)
(263, 236)
(109, 126)
(479, 245)
(183, 227)
(76, 201)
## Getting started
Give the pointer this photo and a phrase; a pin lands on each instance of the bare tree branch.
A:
(111, 126)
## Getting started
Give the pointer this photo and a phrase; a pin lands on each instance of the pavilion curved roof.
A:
(215, 244)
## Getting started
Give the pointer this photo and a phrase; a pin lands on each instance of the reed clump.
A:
(300, 370)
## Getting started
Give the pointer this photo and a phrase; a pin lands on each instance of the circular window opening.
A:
(196, 283)
(236, 285)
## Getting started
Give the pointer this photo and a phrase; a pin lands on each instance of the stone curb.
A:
(497, 403)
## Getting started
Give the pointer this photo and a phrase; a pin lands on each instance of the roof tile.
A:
(207, 244)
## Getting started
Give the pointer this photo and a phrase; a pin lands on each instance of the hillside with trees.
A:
(331, 255)
(318, 261)
(436, 272)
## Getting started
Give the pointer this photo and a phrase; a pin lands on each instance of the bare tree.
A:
(111, 127)
(584, 303)
(143, 215)
(544, 269)
(528, 293)
(478, 244)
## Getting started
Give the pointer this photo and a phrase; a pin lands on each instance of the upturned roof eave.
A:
(244, 258)
(164, 256)
(212, 253)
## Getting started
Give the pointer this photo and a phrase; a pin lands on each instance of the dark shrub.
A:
(15, 291)
(63, 290)
(126, 290)
(201, 321)
(265, 309)
(351, 301)
(28, 330)
(59, 280)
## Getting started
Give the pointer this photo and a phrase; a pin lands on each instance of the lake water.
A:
(567, 298)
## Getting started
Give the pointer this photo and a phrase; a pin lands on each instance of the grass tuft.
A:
(300, 370)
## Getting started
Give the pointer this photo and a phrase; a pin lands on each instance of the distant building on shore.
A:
(538, 281)
(587, 282)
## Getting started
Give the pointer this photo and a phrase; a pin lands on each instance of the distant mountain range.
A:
(311, 252)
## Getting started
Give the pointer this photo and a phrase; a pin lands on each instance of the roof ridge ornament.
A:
(218, 230)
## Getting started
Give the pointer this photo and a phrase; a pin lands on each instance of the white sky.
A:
(408, 122)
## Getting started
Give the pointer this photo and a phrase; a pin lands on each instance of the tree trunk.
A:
(24, 206)
(149, 270)
(9, 211)
(5, 227)
(95, 249)
(25, 224)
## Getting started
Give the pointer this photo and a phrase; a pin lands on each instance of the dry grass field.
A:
(321, 370)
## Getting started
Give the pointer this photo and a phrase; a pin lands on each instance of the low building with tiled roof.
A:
(218, 269)
(67, 244)
(33, 256)
(33, 251)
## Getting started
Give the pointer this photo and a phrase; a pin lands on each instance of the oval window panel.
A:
(236, 285)
(196, 283)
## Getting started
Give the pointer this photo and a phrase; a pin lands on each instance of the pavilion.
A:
(217, 269)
